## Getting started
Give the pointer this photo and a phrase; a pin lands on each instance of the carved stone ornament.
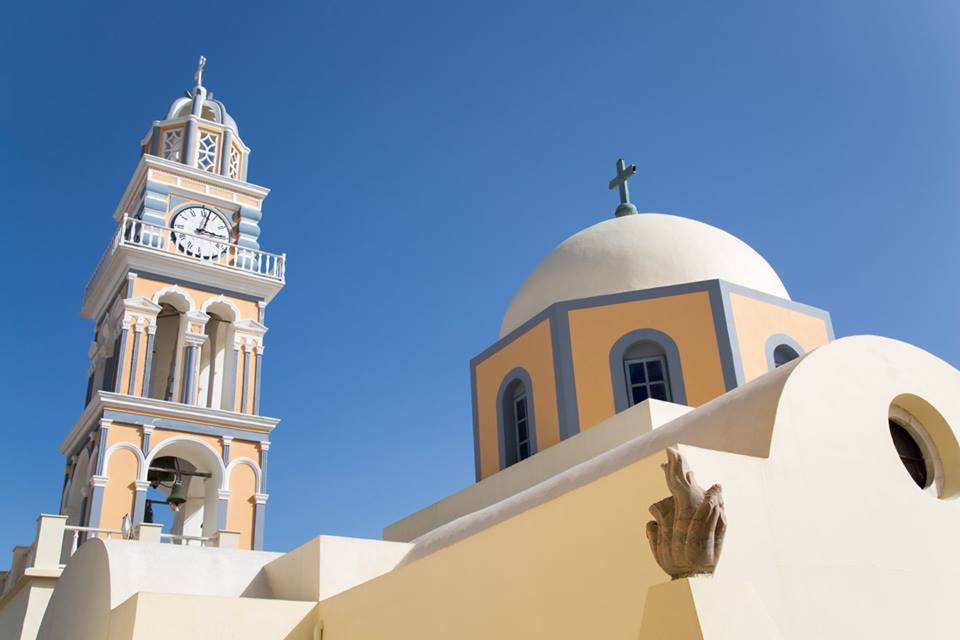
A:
(687, 536)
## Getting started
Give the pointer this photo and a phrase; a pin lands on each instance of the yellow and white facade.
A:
(177, 355)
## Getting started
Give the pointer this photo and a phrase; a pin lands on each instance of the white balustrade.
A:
(143, 235)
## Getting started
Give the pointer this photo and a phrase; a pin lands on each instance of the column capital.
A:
(265, 445)
(194, 339)
(261, 498)
(223, 494)
(141, 485)
(105, 423)
(99, 481)
(147, 428)
(226, 439)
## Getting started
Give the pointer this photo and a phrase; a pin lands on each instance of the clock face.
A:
(204, 232)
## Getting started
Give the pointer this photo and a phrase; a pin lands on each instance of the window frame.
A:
(644, 360)
(776, 341)
(507, 432)
(668, 350)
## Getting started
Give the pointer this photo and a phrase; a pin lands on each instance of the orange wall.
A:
(755, 321)
(240, 507)
(119, 493)
(533, 352)
(686, 318)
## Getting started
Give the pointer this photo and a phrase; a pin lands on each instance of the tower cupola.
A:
(198, 131)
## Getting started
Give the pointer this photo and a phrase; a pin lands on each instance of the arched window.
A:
(783, 354)
(645, 364)
(164, 361)
(516, 419)
(781, 349)
(645, 373)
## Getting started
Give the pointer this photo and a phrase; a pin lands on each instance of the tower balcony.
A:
(141, 246)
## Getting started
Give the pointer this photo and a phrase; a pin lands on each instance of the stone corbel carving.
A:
(687, 535)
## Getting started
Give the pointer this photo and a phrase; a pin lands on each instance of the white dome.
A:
(636, 252)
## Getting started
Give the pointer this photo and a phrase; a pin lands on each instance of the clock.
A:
(201, 232)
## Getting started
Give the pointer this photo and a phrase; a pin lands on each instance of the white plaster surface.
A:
(328, 565)
(637, 252)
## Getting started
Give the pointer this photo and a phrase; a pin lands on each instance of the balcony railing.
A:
(188, 246)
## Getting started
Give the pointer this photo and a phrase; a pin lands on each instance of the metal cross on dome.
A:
(624, 173)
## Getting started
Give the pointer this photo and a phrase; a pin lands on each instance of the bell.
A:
(162, 470)
(178, 495)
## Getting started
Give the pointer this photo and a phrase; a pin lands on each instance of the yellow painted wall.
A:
(120, 432)
(159, 435)
(240, 508)
(755, 321)
(147, 287)
(533, 352)
(686, 318)
(245, 449)
(119, 493)
(574, 567)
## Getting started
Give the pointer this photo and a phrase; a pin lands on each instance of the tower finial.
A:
(624, 172)
(198, 76)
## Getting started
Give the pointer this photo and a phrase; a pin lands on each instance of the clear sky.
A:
(424, 157)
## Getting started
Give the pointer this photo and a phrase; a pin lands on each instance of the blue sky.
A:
(425, 156)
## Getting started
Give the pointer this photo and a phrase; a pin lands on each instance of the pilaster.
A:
(259, 519)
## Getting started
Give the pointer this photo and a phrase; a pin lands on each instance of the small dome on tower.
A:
(198, 131)
(635, 252)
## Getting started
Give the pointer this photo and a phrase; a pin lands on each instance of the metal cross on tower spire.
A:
(624, 172)
(198, 76)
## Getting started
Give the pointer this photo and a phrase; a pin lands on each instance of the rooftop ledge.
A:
(158, 410)
(139, 246)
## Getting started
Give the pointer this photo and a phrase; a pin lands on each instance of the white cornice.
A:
(177, 268)
(105, 400)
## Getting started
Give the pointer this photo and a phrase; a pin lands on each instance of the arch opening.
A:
(165, 359)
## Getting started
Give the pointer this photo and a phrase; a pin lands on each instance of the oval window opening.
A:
(911, 454)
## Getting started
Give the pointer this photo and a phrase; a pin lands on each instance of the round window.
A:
(911, 454)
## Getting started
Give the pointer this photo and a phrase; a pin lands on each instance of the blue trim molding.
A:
(182, 425)
(147, 366)
(621, 400)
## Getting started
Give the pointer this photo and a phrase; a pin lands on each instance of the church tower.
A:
(172, 412)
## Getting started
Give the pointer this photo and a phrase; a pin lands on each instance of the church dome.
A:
(635, 252)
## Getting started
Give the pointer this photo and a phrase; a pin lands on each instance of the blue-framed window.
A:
(521, 423)
(646, 378)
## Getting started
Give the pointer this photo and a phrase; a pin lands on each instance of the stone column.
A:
(191, 362)
(259, 519)
(98, 485)
(101, 446)
(145, 441)
(225, 441)
(135, 355)
(264, 448)
(148, 360)
(223, 503)
(244, 386)
(140, 500)
(258, 363)
(121, 352)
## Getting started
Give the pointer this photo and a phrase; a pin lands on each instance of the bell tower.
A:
(178, 301)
